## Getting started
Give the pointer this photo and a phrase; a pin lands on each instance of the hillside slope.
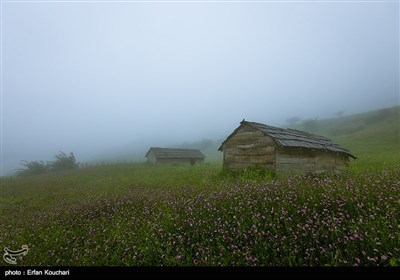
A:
(374, 137)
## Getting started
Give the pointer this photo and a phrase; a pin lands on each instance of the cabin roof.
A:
(175, 153)
(293, 138)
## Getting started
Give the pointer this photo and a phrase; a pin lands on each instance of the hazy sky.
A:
(86, 77)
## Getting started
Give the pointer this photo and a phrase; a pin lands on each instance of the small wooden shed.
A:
(157, 155)
(282, 150)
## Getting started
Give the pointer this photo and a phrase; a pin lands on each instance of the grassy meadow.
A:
(137, 214)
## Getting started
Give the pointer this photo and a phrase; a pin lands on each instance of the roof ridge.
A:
(293, 137)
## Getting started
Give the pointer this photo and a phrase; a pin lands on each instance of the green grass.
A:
(137, 214)
(144, 215)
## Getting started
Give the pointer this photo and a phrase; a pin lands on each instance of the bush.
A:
(33, 168)
(64, 162)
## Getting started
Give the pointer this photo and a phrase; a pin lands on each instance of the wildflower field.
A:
(136, 215)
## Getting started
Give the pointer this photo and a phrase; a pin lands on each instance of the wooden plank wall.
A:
(290, 160)
(151, 158)
(249, 147)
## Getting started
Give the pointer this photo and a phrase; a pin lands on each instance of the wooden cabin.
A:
(282, 150)
(157, 155)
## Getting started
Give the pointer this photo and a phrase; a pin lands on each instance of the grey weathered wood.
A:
(293, 160)
(276, 149)
(268, 150)
(250, 159)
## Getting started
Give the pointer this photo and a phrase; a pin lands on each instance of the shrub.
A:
(64, 162)
(33, 168)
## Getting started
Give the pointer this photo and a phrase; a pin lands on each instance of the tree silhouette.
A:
(64, 162)
(33, 168)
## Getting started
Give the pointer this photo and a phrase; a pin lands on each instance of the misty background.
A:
(101, 78)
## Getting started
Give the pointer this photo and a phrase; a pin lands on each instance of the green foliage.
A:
(64, 162)
(33, 168)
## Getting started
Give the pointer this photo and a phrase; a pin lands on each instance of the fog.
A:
(96, 76)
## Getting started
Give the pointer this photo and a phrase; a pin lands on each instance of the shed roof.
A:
(293, 138)
(175, 153)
